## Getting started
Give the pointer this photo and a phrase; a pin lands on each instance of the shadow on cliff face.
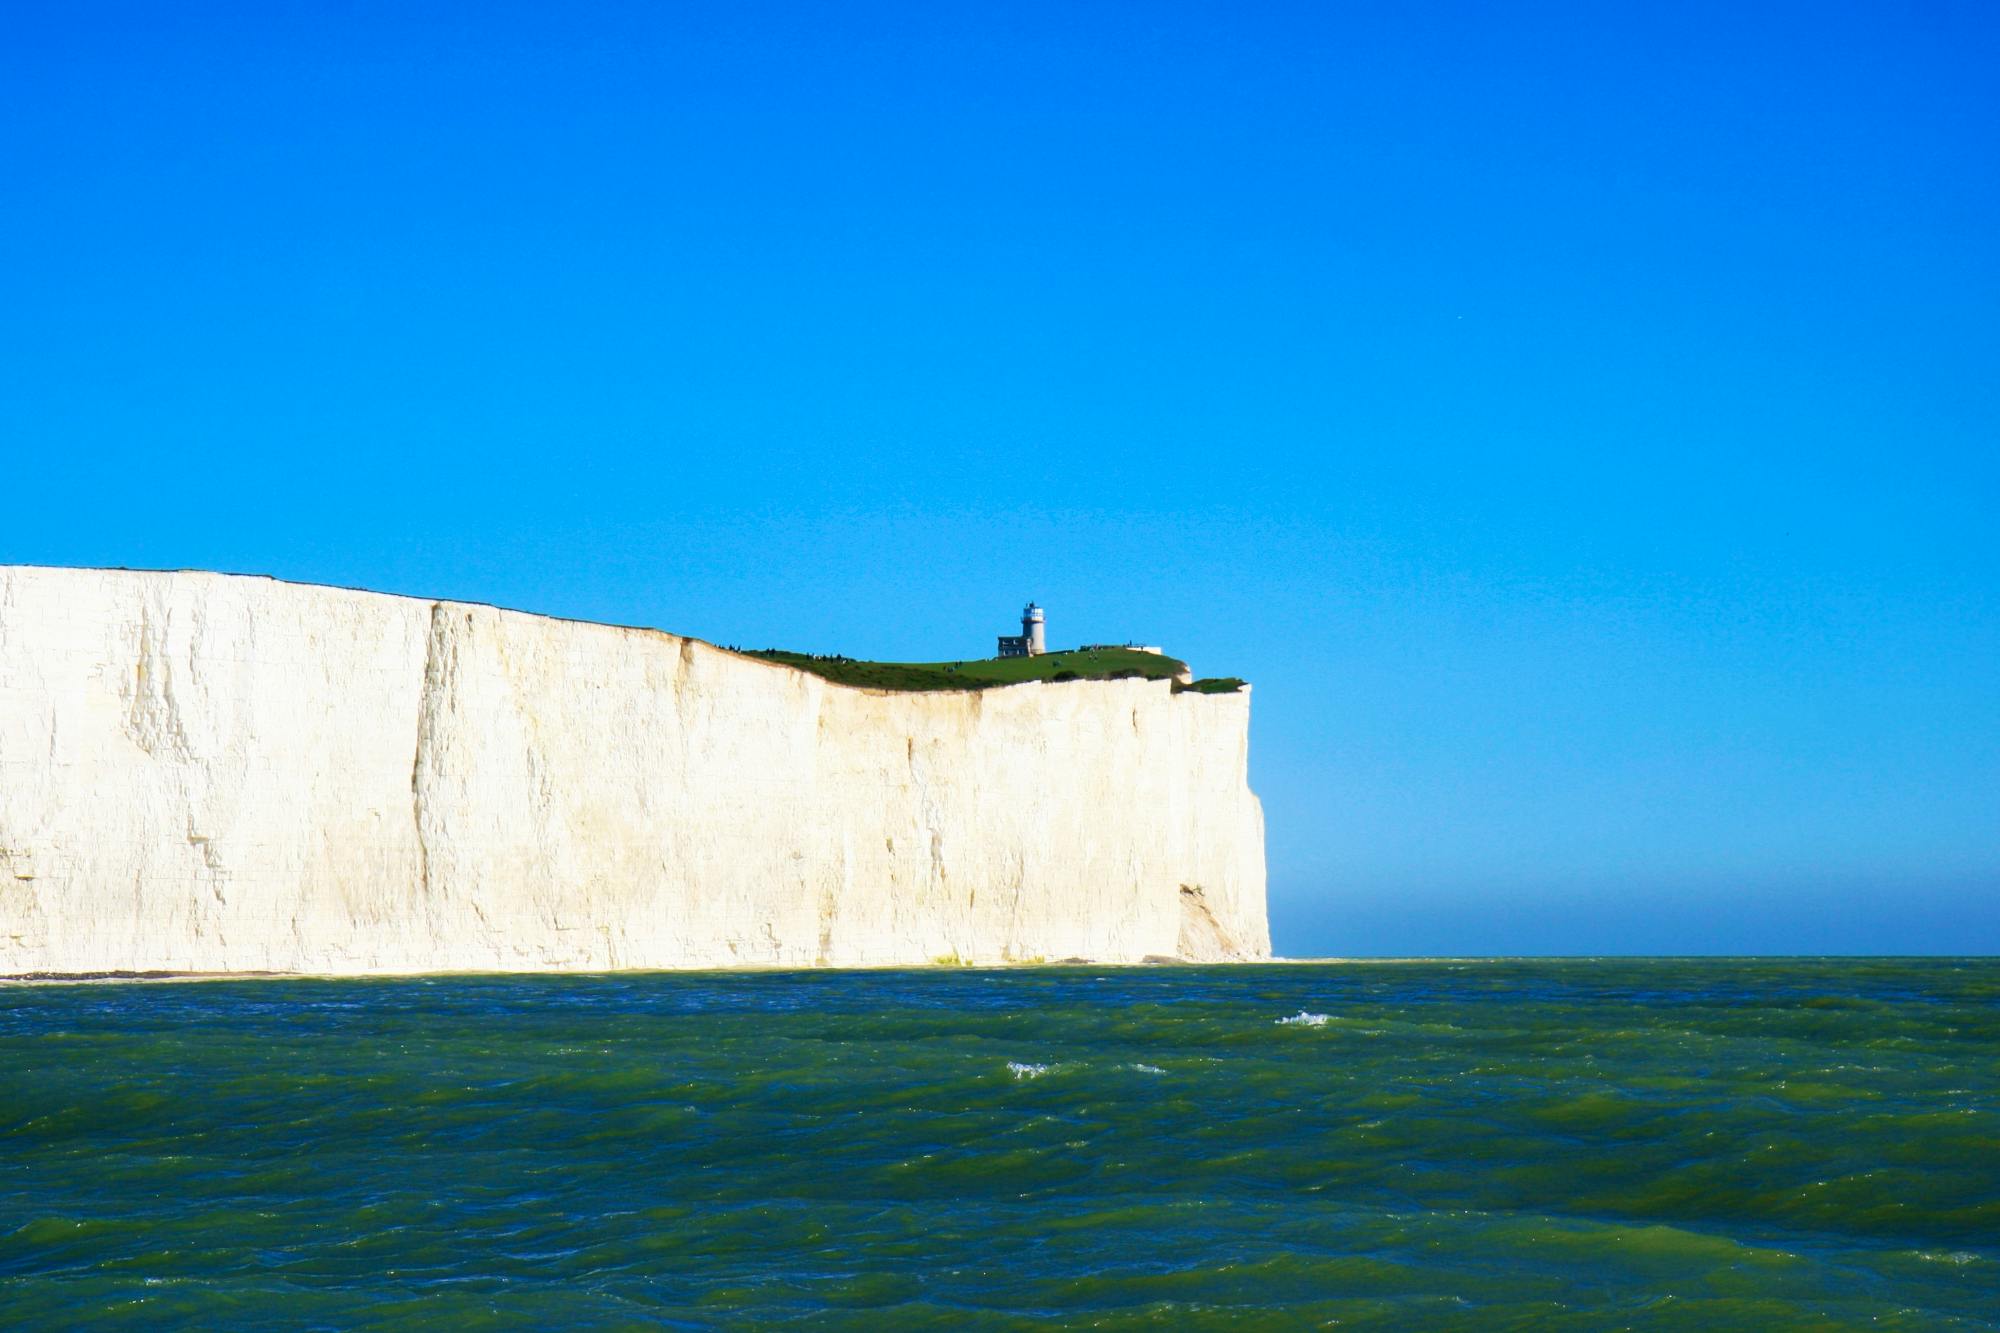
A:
(1202, 938)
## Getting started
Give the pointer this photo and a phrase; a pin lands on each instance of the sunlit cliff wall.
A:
(213, 773)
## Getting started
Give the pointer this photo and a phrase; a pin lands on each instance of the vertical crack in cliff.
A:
(929, 812)
(154, 720)
(683, 698)
(1018, 890)
(429, 696)
(829, 901)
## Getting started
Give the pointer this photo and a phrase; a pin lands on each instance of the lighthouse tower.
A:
(1031, 630)
(1030, 641)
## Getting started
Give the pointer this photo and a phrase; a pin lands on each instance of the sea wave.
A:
(1588, 1144)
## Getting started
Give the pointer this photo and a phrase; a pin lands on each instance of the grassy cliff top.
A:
(984, 673)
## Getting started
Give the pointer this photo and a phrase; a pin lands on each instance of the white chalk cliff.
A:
(214, 773)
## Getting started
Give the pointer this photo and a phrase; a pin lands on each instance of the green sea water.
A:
(1486, 1145)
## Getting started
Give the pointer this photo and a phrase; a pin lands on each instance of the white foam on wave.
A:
(1021, 1070)
(1954, 1257)
(1304, 1019)
(1147, 1069)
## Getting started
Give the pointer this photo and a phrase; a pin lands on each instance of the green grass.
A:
(984, 673)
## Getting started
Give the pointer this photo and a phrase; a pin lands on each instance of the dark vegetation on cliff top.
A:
(980, 674)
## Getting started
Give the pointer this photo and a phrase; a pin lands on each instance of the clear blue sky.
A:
(1579, 421)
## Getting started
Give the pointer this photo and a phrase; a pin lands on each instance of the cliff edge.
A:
(216, 773)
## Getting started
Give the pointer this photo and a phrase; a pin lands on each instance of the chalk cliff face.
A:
(212, 773)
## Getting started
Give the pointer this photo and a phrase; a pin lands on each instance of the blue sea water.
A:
(1486, 1145)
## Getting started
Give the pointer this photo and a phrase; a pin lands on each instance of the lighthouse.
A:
(1031, 630)
(1033, 639)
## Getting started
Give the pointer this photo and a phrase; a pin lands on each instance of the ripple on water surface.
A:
(1661, 1144)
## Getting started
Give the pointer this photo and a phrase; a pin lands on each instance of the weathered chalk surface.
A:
(214, 773)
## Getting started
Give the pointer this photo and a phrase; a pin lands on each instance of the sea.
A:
(1589, 1144)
